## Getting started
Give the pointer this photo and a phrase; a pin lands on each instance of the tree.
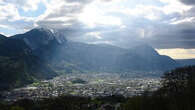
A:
(179, 81)
(178, 88)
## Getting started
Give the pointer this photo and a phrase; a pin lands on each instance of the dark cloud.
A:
(65, 15)
(174, 36)
(188, 2)
(66, 11)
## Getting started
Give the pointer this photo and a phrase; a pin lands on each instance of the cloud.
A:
(61, 13)
(24, 4)
(188, 2)
(125, 23)
(178, 53)
(163, 24)
(12, 20)
(173, 36)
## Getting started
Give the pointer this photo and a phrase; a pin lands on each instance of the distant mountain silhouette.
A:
(2, 37)
(67, 56)
(147, 58)
(186, 62)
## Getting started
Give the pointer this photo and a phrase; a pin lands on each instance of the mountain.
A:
(39, 37)
(144, 57)
(41, 54)
(99, 58)
(186, 62)
(18, 66)
(69, 57)
(43, 42)
(2, 37)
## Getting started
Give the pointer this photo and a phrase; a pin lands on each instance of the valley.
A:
(87, 85)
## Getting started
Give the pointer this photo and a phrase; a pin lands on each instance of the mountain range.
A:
(186, 62)
(70, 56)
(42, 54)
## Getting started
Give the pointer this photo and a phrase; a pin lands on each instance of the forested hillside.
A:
(18, 66)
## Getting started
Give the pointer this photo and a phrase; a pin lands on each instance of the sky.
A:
(166, 25)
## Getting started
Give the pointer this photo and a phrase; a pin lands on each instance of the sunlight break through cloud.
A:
(164, 24)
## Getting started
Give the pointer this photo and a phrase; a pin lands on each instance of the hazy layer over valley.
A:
(39, 55)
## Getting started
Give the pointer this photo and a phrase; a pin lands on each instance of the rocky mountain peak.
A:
(38, 37)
